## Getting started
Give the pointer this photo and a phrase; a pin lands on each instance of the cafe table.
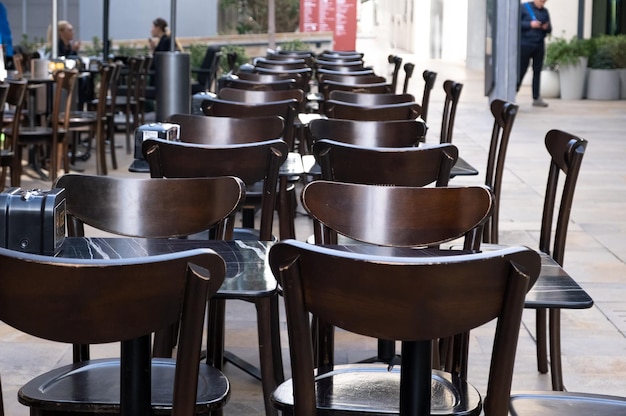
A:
(248, 272)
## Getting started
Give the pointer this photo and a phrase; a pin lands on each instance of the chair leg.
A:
(270, 356)
(542, 350)
(555, 349)
(110, 127)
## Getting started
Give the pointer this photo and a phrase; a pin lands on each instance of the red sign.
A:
(337, 16)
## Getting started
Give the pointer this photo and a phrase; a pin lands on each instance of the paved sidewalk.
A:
(594, 346)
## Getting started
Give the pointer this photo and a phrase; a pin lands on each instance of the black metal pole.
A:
(173, 26)
(581, 18)
(105, 31)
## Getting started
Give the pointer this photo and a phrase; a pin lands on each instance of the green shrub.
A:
(561, 52)
(294, 45)
(238, 51)
(603, 52)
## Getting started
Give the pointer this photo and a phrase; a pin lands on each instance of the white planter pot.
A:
(550, 84)
(572, 79)
(622, 81)
(603, 84)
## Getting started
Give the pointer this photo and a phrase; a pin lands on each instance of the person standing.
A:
(159, 31)
(5, 34)
(535, 26)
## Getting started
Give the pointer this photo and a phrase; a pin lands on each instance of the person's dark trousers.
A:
(536, 53)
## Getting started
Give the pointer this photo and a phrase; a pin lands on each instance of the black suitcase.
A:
(32, 221)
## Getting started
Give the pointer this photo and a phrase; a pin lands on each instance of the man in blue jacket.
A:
(5, 34)
(535, 21)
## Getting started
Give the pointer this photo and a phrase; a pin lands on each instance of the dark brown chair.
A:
(401, 111)
(304, 73)
(406, 166)
(93, 122)
(332, 54)
(53, 135)
(150, 208)
(566, 154)
(351, 78)
(397, 216)
(384, 296)
(503, 118)
(364, 98)
(128, 99)
(453, 93)
(223, 131)
(397, 63)
(276, 85)
(16, 94)
(206, 74)
(287, 109)
(393, 133)
(102, 301)
(429, 83)
(252, 163)
(322, 72)
(212, 130)
(279, 65)
(408, 73)
(260, 96)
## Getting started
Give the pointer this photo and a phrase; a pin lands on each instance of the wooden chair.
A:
(280, 65)
(102, 301)
(252, 163)
(212, 130)
(364, 98)
(223, 131)
(248, 85)
(408, 73)
(304, 73)
(400, 111)
(206, 74)
(352, 78)
(389, 297)
(287, 109)
(321, 72)
(272, 77)
(127, 101)
(93, 122)
(503, 118)
(15, 96)
(453, 93)
(407, 166)
(50, 137)
(566, 154)
(393, 133)
(429, 83)
(396, 61)
(260, 96)
(332, 54)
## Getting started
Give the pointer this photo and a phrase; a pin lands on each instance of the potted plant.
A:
(550, 83)
(570, 57)
(619, 58)
(603, 78)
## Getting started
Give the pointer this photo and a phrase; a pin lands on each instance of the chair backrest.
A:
(503, 118)
(352, 78)
(400, 111)
(261, 96)
(429, 83)
(4, 91)
(269, 77)
(280, 65)
(251, 163)
(396, 61)
(209, 67)
(408, 73)
(566, 154)
(150, 208)
(65, 81)
(249, 85)
(304, 73)
(365, 98)
(227, 130)
(393, 133)
(406, 166)
(287, 109)
(102, 301)
(326, 87)
(398, 215)
(453, 92)
(332, 54)
(322, 72)
(15, 98)
(406, 299)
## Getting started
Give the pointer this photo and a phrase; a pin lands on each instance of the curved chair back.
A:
(150, 208)
(398, 216)
(406, 166)
(429, 83)
(252, 162)
(503, 118)
(227, 130)
(393, 133)
(365, 98)
(389, 297)
(453, 93)
(400, 111)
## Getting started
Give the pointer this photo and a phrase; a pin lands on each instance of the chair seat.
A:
(562, 403)
(67, 385)
(378, 392)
